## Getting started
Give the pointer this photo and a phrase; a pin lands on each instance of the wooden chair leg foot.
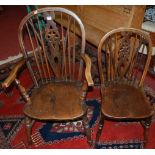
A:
(99, 131)
(87, 130)
(29, 125)
(146, 125)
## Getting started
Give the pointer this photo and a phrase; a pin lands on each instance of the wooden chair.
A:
(122, 70)
(56, 47)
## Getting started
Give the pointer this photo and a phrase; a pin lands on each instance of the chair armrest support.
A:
(13, 74)
(23, 92)
(88, 76)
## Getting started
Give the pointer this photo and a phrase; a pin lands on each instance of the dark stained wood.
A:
(87, 130)
(125, 101)
(56, 101)
(56, 49)
(100, 128)
(56, 66)
(13, 74)
(122, 77)
(28, 122)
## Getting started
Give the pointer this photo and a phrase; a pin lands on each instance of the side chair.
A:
(122, 70)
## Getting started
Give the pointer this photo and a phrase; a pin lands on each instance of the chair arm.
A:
(88, 76)
(13, 74)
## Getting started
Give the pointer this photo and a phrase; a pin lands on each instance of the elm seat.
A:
(50, 102)
(125, 101)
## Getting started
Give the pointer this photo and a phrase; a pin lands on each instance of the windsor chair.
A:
(56, 66)
(122, 74)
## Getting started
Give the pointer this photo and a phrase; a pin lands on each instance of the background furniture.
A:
(56, 68)
(1, 8)
(100, 19)
(122, 77)
(149, 27)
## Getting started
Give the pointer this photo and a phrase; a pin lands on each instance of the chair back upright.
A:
(49, 40)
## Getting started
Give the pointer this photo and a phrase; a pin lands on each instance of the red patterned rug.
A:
(69, 134)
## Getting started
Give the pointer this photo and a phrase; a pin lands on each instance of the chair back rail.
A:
(120, 56)
(55, 33)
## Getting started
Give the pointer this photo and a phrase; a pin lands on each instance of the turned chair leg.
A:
(146, 125)
(99, 131)
(29, 125)
(87, 129)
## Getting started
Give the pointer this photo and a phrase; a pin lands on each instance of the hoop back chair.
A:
(56, 67)
(122, 70)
